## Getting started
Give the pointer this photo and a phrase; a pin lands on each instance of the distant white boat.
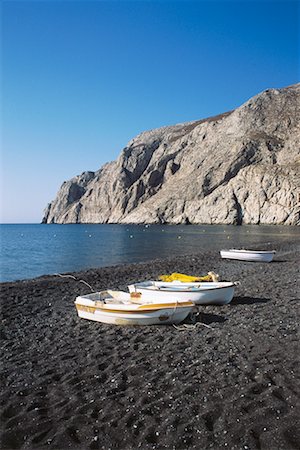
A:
(116, 307)
(207, 293)
(248, 255)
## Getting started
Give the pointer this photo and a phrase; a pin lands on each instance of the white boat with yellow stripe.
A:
(207, 293)
(122, 308)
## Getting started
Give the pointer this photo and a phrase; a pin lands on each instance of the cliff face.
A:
(239, 167)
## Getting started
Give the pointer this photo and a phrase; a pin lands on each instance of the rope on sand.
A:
(76, 279)
(187, 326)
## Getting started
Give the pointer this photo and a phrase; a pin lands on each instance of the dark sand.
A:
(71, 383)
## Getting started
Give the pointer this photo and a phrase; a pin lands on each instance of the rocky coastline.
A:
(239, 167)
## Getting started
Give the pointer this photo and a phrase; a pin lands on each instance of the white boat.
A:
(208, 293)
(248, 255)
(116, 307)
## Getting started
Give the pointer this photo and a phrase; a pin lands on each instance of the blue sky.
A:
(81, 78)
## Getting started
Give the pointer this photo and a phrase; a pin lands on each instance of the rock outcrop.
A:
(241, 167)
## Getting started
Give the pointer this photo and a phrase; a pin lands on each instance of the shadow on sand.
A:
(248, 300)
(208, 318)
(278, 261)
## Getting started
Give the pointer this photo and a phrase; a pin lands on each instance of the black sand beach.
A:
(71, 383)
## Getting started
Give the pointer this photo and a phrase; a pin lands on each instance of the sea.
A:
(32, 250)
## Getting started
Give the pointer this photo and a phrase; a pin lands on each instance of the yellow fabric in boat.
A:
(184, 278)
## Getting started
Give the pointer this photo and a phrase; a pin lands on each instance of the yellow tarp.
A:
(211, 276)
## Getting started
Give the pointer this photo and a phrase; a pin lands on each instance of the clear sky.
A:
(81, 78)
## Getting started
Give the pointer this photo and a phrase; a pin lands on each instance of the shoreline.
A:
(72, 383)
(22, 267)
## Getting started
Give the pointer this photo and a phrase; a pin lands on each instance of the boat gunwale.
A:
(163, 310)
(139, 308)
(194, 289)
(263, 252)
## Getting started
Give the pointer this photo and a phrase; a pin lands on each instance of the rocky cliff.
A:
(241, 167)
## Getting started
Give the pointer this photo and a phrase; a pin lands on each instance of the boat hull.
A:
(131, 314)
(248, 255)
(217, 293)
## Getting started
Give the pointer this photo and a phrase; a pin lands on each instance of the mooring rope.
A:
(174, 308)
(76, 279)
(187, 326)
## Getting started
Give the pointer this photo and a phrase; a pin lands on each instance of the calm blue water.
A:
(28, 251)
